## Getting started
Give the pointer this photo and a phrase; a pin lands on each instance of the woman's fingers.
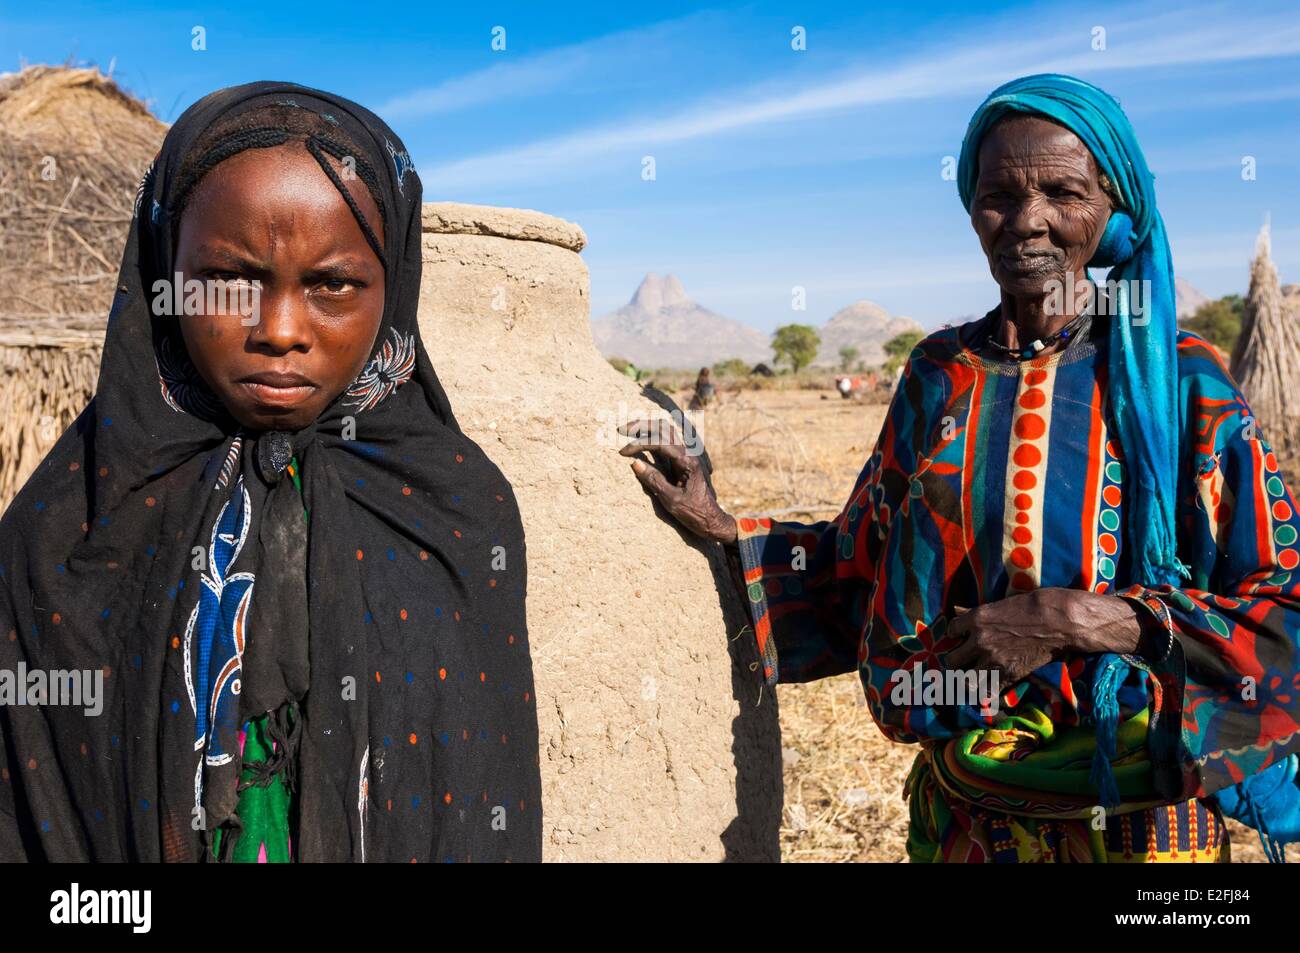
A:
(963, 655)
(673, 456)
(681, 486)
(983, 651)
(666, 451)
(660, 439)
(655, 482)
(652, 431)
(958, 626)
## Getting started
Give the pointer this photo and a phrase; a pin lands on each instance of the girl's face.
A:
(273, 216)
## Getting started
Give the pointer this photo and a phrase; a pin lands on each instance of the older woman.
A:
(1068, 495)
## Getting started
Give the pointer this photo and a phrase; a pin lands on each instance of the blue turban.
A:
(1143, 387)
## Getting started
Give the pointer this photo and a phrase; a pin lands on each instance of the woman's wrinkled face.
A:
(1039, 208)
(273, 216)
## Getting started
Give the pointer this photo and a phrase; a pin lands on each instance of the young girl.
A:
(299, 585)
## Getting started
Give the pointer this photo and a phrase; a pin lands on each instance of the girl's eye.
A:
(337, 285)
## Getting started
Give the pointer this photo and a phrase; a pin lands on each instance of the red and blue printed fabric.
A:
(992, 478)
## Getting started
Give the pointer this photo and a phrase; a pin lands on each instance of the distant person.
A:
(1071, 497)
(269, 536)
(704, 390)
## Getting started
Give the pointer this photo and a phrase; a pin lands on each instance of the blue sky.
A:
(774, 168)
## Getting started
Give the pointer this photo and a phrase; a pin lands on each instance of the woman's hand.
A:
(688, 498)
(1022, 632)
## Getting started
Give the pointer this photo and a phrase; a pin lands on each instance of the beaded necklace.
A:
(1037, 346)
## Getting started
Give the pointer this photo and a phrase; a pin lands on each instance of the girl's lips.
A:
(270, 395)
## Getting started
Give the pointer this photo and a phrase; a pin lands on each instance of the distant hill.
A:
(1187, 298)
(662, 327)
(863, 325)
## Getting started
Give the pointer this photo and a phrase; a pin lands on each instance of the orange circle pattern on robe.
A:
(1029, 426)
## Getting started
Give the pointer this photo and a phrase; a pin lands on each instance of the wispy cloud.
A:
(535, 75)
(1242, 97)
(958, 66)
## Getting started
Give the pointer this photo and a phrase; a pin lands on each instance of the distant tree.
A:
(1219, 322)
(732, 367)
(796, 344)
(898, 348)
(847, 356)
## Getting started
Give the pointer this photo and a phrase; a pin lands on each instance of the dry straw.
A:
(1266, 359)
(73, 147)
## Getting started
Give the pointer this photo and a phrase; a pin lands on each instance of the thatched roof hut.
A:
(73, 147)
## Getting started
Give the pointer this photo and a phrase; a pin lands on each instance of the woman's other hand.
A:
(687, 497)
(1018, 634)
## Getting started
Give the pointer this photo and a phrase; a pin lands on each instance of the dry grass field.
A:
(796, 453)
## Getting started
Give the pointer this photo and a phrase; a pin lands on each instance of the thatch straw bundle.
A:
(1266, 360)
(73, 147)
(45, 381)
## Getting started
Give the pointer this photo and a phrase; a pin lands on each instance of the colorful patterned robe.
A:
(992, 478)
(266, 806)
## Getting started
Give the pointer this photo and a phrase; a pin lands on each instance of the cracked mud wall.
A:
(656, 740)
